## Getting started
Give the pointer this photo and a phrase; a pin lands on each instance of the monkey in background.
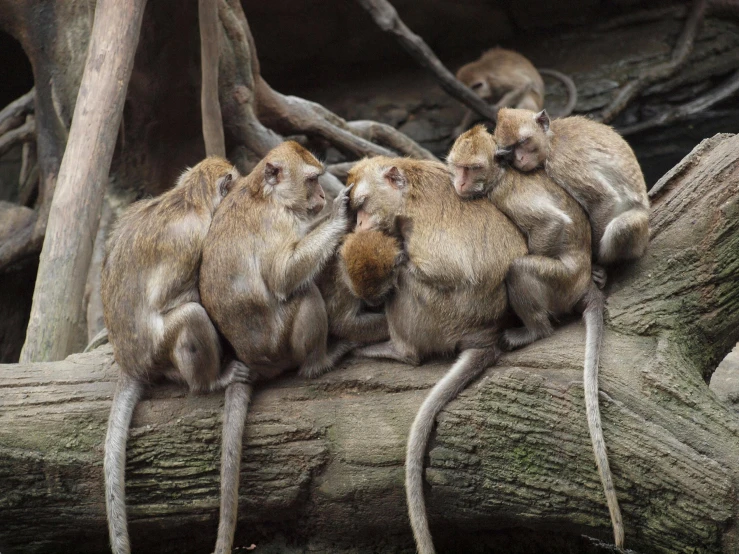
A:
(450, 296)
(595, 165)
(257, 281)
(554, 279)
(151, 305)
(363, 272)
(506, 78)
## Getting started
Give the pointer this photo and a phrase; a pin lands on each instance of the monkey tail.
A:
(127, 395)
(98, 340)
(238, 396)
(593, 317)
(468, 366)
(569, 85)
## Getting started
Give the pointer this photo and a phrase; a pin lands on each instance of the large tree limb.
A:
(54, 328)
(510, 461)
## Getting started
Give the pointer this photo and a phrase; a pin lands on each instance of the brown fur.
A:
(152, 310)
(451, 293)
(499, 71)
(362, 272)
(370, 259)
(554, 278)
(260, 263)
(593, 164)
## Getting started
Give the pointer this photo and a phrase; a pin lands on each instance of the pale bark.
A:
(510, 462)
(56, 325)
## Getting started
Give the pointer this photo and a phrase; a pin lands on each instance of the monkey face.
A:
(472, 163)
(377, 195)
(291, 176)
(522, 136)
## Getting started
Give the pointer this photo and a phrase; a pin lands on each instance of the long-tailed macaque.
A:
(507, 79)
(363, 272)
(260, 261)
(554, 279)
(449, 298)
(152, 310)
(591, 162)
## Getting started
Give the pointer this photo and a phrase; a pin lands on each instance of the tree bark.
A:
(215, 143)
(510, 463)
(56, 325)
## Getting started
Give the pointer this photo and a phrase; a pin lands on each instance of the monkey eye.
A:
(524, 141)
(476, 86)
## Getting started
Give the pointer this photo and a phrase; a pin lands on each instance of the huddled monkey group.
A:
(228, 280)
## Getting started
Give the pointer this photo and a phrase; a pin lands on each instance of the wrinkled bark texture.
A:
(510, 466)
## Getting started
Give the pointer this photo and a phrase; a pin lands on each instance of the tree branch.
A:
(14, 113)
(659, 72)
(24, 133)
(388, 20)
(213, 136)
(698, 105)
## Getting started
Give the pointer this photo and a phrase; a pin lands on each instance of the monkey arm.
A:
(295, 265)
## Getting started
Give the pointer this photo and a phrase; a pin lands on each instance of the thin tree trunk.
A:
(215, 144)
(56, 326)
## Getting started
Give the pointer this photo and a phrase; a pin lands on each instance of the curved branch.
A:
(389, 136)
(13, 114)
(24, 133)
(388, 20)
(660, 72)
(700, 104)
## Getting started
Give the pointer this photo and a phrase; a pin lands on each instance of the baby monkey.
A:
(592, 163)
(554, 279)
(363, 272)
(152, 311)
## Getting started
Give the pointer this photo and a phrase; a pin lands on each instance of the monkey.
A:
(151, 306)
(257, 281)
(362, 273)
(595, 165)
(506, 78)
(450, 295)
(554, 279)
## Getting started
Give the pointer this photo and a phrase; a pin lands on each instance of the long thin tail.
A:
(98, 340)
(238, 396)
(127, 395)
(569, 85)
(593, 317)
(468, 366)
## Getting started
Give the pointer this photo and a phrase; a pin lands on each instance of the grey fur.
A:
(127, 395)
(469, 365)
(593, 318)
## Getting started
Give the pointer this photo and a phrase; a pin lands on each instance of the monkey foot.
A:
(517, 338)
(599, 276)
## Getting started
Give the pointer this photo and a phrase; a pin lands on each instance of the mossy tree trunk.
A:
(510, 466)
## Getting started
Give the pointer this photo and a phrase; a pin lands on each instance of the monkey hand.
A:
(341, 205)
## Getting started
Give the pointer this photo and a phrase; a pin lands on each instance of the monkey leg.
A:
(193, 344)
(366, 328)
(310, 336)
(534, 285)
(599, 275)
(393, 350)
(625, 238)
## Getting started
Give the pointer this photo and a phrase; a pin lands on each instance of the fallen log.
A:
(510, 466)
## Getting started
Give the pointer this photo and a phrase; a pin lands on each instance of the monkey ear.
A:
(271, 173)
(542, 120)
(395, 178)
(225, 183)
